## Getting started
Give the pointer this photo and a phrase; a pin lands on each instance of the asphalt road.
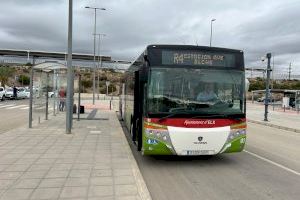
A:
(13, 114)
(268, 169)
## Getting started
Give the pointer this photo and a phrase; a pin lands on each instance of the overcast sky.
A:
(255, 26)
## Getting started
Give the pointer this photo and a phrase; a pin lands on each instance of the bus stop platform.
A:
(94, 162)
(286, 119)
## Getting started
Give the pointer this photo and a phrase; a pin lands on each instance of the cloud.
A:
(257, 27)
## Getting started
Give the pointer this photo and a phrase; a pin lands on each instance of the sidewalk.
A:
(288, 120)
(94, 162)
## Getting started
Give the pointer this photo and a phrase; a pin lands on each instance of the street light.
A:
(211, 21)
(94, 72)
(99, 61)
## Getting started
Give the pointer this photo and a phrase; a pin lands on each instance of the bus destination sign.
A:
(197, 58)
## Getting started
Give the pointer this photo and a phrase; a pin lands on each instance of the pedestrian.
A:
(15, 92)
(62, 98)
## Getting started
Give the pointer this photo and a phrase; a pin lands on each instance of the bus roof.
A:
(192, 47)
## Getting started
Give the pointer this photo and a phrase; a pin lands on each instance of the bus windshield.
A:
(203, 92)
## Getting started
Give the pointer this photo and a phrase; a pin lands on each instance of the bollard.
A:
(284, 108)
(110, 105)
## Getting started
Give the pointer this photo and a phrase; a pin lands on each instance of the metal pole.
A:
(31, 93)
(94, 73)
(211, 21)
(54, 89)
(210, 33)
(79, 88)
(70, 78)
(47, 90)
(99, 60)
(267, 86)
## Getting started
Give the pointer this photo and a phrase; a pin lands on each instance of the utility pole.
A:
(290, 70)
(267, 86)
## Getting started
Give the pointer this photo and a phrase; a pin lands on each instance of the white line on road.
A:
(19, 106)
(25, 108)
(7, 105)
(273, 163)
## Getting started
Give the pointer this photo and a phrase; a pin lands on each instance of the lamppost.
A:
(70, 76)
(99, 60)
(94, 72)
(211, 21)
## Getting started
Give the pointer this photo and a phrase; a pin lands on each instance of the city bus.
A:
(163, 105)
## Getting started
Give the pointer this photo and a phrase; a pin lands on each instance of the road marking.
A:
(25, 108)
(273, 163)
(7, 105)
(19, 106)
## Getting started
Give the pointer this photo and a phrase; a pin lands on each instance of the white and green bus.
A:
(186, 100)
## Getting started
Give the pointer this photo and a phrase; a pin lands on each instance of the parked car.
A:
(262, 99)
(9, 93)
(2, 93)
(35, 93)
(21, 93)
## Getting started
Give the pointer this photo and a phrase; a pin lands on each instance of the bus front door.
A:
(137, 126)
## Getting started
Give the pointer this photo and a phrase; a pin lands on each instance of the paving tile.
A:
(32, 155)
(3, 167)
(45, 161)
(100, 191)
(82, 166)
(102, 166)
(74, 192)
(27, 183)
(77, 182)
(80, 173)
(5, 184)
(127, 198)
(38, 167)
(123, 190)
(17, 168)
(52, 182)
(123, 172)
(101, 172)
(10, 175)
(17, 194)
(102, 198)
(46, 193)
(34, 174)
(124, 180)
(61, 166)
(57, 174)
(25, 161)
(101, 181)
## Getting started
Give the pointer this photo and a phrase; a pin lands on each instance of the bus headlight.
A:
(161, 135)
(234, 133)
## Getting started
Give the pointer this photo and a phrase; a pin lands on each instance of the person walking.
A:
(15, 92)
(62, 98)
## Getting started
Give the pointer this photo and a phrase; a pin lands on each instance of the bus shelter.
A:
(289, 98)
(47, 79)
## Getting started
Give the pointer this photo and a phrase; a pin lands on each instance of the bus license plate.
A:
(199, 152)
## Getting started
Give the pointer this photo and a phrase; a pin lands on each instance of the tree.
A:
(5, 73)
(25, 80)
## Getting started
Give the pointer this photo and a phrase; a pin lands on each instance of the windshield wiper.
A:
(171, 115)
(218, 115)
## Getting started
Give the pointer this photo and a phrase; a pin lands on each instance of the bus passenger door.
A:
(135, 106)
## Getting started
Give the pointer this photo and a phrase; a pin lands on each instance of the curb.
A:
(141, 185)
(274, 126)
